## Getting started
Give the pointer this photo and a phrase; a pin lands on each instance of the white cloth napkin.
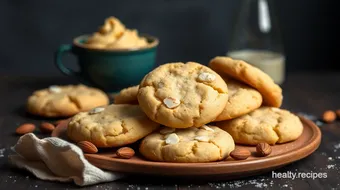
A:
(57, 160)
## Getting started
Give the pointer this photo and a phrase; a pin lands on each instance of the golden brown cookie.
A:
(182, 95)
(111, 126)
(240, 70)
(242, 100)
(63, 101)
(127, 96)
(204, 144)
(266, 124)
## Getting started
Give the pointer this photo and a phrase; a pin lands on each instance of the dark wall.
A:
(196, 30)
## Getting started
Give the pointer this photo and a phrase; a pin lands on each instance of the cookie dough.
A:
(182, 95)
(127, 96)
(242, 100)
(114, 35)
(266, 124)
(240, 70)
(204, 144)
(64, 101)
(111, 126)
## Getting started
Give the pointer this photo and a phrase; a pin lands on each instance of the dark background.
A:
(195, 30)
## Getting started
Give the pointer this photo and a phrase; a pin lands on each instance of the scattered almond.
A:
(329, 116)
(25, 128)
(263, 149)
(87, 147)
(240, 154)
(338, 113)
(125, 152)
(46, 127)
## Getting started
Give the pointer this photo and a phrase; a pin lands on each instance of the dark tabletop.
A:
(310, 93)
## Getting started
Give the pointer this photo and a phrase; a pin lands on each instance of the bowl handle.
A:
(58, 55)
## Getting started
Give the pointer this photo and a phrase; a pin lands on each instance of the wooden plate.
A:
(282, 154)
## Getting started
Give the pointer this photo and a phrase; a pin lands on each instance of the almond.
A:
(171, 102)
(338, 113)
(87, 147)
(263, 149)
(25, 128)
(328, 116)
(46, 127)
(240, 154)
(125, 152)
(206, 77)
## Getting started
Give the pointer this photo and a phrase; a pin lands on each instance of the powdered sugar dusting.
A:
(255, 183)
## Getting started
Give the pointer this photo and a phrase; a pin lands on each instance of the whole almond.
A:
(125, 152)
(240, 154)
(263, 149)
(329, 116)
(338, 113)
(46, 127)
(87, 147)
(25, 128)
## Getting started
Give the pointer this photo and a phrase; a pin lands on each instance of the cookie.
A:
(127, 96)
(64, 101)
(266, 124)
(242, 100)
(182, 95)
(111, 126)
(240, 70)
(204, 144)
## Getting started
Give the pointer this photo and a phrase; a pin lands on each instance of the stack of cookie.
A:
(192, 113)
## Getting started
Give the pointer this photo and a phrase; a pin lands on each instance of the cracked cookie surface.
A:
(204, 144)
(127, 96)
(242, 100)
(182, 95)
(64, 101)
(266, 124)
(242, 71)
(115, 125)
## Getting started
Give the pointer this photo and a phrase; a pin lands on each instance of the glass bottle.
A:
(256, 38)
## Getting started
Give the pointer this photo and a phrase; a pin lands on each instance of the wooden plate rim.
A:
(237, 166)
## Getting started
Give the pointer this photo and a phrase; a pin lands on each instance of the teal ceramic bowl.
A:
(109, 70)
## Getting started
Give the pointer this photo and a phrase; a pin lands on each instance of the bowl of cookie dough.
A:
(112, 58)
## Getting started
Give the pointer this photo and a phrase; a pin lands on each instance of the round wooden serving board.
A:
(282, 154)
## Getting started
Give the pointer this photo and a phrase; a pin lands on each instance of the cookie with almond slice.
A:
(111, 126)
(203, 144)
(182, 95)
(65, 101)
(265, 124)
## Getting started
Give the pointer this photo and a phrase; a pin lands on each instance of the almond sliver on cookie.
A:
(172, 139)
(171, 102)
(206, 77)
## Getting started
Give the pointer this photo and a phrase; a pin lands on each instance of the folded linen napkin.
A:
(57, 160)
